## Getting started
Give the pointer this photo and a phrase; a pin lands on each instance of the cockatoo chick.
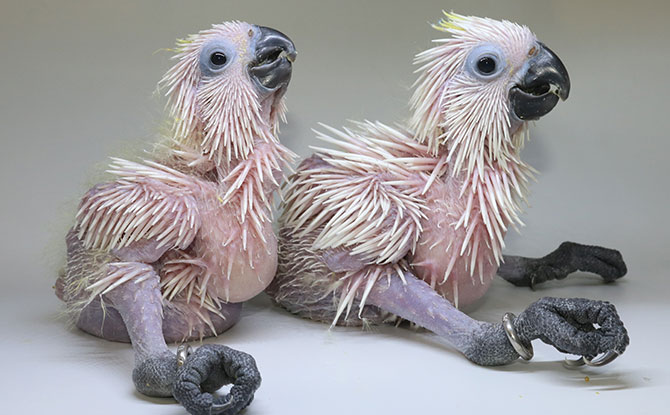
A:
(170, 249)
(410, 221)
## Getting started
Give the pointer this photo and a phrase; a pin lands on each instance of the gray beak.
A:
(273, 59)
(545, 82)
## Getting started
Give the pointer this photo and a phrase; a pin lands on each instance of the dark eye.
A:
(218, 58)
(486, 65)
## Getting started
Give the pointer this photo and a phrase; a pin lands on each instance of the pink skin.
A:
(170, 249)
(232, 254)
(455, 168)
(436, 247)
(412, 219)
(444, 209)
(219, 239)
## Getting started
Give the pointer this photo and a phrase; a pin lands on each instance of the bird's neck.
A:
(190, 158)
(216, 144)
(493, 188)
(245, 186)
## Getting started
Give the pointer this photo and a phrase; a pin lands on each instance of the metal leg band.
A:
(524, 349)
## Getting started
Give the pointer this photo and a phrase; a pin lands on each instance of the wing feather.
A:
(364, 196)
(147, 201)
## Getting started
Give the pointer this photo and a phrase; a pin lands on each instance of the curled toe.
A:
(210, 367)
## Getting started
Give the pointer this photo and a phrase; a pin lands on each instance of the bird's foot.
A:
(608, 263)
(576, 326)
(566, 259)
(154, 376)
(206, 370)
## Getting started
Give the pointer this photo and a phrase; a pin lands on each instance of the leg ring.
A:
(524, 349)
(183, 352)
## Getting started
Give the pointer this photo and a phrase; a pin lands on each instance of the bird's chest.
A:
(241, 260)
(454, 254)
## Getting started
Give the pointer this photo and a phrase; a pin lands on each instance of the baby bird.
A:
(410, 220)
(170, 249)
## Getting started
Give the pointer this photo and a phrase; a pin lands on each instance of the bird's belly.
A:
(241, 264)
(446, 256)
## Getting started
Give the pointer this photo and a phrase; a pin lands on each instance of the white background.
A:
(76, 86)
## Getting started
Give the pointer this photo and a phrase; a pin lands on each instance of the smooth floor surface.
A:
(307, 369)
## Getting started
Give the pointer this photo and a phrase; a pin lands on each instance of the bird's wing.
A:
(365, 197)
(147, 202)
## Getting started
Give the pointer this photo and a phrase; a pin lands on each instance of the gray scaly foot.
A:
(568, 258)
(206, 370)
(574, 325)
(154, 376)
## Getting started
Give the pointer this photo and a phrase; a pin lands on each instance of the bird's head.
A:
(226, 89)
(477, 89)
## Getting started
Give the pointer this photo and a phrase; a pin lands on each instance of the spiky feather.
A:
(205, 201)
(220, 115)
(455, 173)
(368, 198)
(469, 121)
(148, 201)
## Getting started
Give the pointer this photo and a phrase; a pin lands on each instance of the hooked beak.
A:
(545, 82)
(273, 60)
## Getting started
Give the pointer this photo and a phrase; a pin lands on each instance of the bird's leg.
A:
(566, 259)
(139, 303)
(157, 371)
(567, 324)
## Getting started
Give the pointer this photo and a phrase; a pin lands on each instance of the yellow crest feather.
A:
(450, 23)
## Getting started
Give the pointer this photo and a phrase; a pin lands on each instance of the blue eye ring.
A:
(485, 61)
(215, 56)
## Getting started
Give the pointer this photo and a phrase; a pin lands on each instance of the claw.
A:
(605, 359)
(218, 408)
(574, 362)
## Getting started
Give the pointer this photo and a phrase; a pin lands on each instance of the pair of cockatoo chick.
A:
(404, 221)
